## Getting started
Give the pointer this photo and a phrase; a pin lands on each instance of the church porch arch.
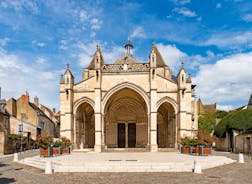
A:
(125, 119)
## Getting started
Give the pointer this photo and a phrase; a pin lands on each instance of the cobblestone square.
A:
(11, 172)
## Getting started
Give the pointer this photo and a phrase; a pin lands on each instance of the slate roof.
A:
(92, 63)
(126, 59)
(250, 101)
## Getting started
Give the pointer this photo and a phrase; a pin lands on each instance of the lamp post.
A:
(21, 136)
(21, 130)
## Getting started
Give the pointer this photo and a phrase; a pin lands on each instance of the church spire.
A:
(128, 46)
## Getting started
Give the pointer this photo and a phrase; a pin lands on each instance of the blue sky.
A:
(212, 37)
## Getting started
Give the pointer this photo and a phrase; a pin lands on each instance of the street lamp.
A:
(21, 130)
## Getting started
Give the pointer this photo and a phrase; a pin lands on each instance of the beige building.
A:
(206, 109)
(4, 127)
(127, 104)
(35, 122)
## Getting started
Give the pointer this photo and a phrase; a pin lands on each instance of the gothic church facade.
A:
(127, 104)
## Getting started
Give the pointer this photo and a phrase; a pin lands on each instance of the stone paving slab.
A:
(127, 162)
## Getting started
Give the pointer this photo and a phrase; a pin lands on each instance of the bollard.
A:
(15, 159)
(241, 158)
(48, 167)
(197, 167)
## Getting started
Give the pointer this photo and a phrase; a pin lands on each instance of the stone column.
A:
(176, 130)
(75, 139)
(148, 130)
(103, 131)
(126, 135)
(153, 118)
(98, 127)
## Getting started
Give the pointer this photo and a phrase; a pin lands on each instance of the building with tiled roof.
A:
(206, 109)
(4, 126)
(35, 121)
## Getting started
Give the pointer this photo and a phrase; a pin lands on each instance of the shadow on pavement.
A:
(2, 165)
(7, 180)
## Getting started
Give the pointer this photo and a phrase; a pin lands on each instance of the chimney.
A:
(36, 101)
(26, 97)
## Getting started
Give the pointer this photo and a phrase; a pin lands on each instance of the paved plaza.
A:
(11, 172)
(127, 162)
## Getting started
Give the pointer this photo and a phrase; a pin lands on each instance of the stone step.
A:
(127, 162)
(126, 150)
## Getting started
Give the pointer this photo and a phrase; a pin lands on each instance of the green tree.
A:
(207, 123)
(240, 120)
(220, 114)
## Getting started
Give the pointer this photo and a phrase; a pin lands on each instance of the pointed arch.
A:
(81, 101)
(169, 100)
(131, 86)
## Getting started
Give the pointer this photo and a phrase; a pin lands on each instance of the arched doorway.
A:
(85, 126)
(166, 126)
(125, 120)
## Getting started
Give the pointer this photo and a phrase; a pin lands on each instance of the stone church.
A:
(127, 104)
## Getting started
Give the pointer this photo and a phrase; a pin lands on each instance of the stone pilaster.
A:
(153, 121)
(98, 127)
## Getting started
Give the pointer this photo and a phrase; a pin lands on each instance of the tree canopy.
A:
(240, 120)
(207, 123)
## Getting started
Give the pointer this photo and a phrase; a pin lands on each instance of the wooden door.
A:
(132, 135)
(121, 135)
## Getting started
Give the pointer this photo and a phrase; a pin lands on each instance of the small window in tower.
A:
(182, 78)
(152, 59)
(97, 60)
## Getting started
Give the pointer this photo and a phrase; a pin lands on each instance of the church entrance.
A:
(126, 120)
(131, 135)
(126, 135)
(166, 126)
(85, 126)
(121, 135)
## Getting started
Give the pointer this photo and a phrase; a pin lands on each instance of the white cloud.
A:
(16, 77)
(181, 2)
(86, 53)
(185, 12)
(41, 44)
(110, 54)
(92, 34)
(227, 81)
(171, 55)
(230, 40)
(95, 23)
(218, 5)
(63, 44)
(4, 41)
(138, 33)
(247, 17)
(83, 16)
(41, 60)
(19, 5)
(225, 107)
